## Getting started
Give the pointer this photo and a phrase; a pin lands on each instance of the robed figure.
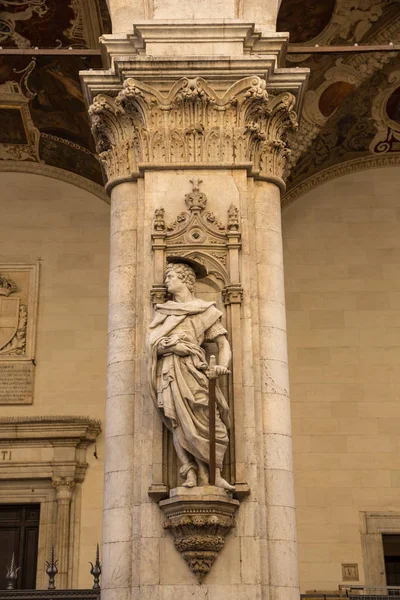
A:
(178, 377)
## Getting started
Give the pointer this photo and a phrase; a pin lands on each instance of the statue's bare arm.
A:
(224, 355)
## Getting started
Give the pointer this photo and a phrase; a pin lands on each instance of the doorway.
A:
(19, 534)
(391, 551)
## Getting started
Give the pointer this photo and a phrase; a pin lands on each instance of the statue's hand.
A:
(172, 344)
(180, 349)
(221, 370)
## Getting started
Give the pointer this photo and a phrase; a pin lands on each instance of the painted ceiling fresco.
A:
(333, 21)
(42, 112)
(352, 104)
(350, 131)
(50, 23)
(351, 110)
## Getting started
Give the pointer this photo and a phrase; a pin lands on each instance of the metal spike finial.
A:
(96, 570)
(12, 574)
(51, 569)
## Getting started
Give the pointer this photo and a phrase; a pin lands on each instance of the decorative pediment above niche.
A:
(198, 233)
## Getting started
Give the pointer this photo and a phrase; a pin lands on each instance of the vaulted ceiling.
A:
(44, 44)
(351, 112)
(351, 115)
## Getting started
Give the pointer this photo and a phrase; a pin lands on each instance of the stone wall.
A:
(67, 230)
(342, 257)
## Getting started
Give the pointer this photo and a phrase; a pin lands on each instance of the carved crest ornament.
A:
(193, 124)
(18, 306)
(13, 319)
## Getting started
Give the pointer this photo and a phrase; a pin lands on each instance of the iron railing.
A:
(12, 574)
(49, 594)
(356, 592)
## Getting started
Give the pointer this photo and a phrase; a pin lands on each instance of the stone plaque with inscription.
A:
(18, 307)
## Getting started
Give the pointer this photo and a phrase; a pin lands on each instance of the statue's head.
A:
(183, 272)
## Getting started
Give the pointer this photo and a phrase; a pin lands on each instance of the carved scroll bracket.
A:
(193, 125)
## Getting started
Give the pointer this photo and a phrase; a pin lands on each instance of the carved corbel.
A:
(199, 523)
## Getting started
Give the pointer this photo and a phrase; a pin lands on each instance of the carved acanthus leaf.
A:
(192, 124)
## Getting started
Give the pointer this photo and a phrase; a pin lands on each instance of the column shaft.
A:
(277, 442)
(62, 536)
(64, 489)
(119, 451)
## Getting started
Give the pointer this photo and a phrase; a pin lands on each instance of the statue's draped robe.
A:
(179, 384)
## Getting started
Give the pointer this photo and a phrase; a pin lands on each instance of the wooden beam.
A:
(294, 49)
(50, 52)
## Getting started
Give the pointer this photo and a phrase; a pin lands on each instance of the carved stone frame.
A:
(372, 526)
(43, 460)
(35, 491)
(27, 357)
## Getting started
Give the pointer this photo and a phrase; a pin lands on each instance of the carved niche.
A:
(18, 307)
(198, 234)
(200, 518)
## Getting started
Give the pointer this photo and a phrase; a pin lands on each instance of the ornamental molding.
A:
(47, 448)
(353, 70)
(198, 234)
(351, 21)
(75, 429)
(25, 147)
(388, 129)
(351, 166)
(193, 124)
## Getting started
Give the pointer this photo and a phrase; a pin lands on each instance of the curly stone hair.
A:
(185, 273)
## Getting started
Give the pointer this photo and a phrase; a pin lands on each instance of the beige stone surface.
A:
(66, 229)
(341, 249)
(125, 13)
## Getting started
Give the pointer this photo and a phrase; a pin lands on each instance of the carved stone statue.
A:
(179, 382)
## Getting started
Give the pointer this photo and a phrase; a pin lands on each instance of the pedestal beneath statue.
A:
(199, 519)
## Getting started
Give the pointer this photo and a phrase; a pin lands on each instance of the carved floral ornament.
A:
(193, 124)
(388, 128)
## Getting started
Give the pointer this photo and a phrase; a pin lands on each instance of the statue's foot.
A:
(222, 483)
(191, 479)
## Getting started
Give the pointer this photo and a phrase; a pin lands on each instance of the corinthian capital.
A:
(64, 487)
(193, 124)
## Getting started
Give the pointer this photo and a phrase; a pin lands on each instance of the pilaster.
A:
(64, 487)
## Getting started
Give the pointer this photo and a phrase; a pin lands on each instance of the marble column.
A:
(119, 443)
(176, 112)
(64, 489)
(274, 375)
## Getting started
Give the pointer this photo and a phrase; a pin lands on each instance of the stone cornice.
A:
(220, 71)
(73, 429)
(351, 166)
(165, 37)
